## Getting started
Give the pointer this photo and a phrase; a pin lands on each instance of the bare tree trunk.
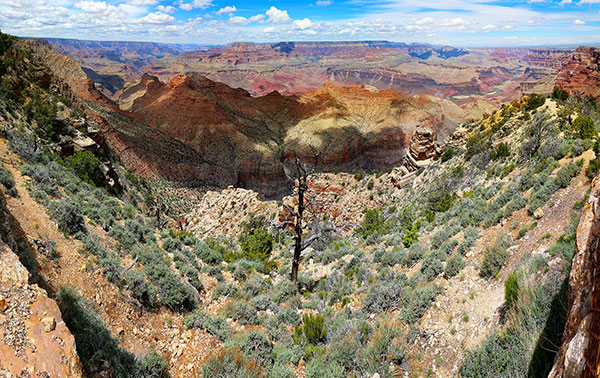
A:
(302, 187)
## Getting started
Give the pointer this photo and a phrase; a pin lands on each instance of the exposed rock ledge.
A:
(579, 354)
(34, 340)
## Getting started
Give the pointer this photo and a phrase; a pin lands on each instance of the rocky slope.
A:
(580, 76)
(578, 355)
(35, 341)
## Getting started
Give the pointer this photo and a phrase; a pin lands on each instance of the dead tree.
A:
(298, 221)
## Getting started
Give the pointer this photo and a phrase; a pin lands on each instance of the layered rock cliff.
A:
(580, 76)
(579, 354)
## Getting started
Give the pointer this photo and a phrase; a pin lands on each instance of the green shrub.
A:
(140, 289)
(154, 366)
(432, 266)
(593, 168)
(534, 101)
(559, 94)
(494, 257)
(420, 300)
(319, 367)
(173, 293)
(215, 325)
(283, 290)
(231, 363)
(314, 329)
(68, 216)
(241, 311)
(373, 223)
(262, 302)
(502, 151)
(385, 295)
(254, 344)
(454, 265)
(256, 242)
(281, 371)
(6, 178)
(448, 154)
(224, 290)
(86, 166)
(511, 290)
(584, 127)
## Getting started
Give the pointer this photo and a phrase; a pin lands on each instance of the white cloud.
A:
(302, 24)
(456, 21)
(238, 20)
(563, 2)
(269, 29)
(589, 2)
(202, 4)
(324, 3)
(227, 9)
(166, 9)
(157, 18)
(142, 2)
(579, 22)
(93, 6)
(423, 21)
(277, 16)
(488, 28)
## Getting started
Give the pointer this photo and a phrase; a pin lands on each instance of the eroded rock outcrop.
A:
(579, 354)
(34, 340)
(248, 142)
(580, 76)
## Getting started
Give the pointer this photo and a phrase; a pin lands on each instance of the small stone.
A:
(538, 213)
(49, 323)
(376, 375)
(3, 304)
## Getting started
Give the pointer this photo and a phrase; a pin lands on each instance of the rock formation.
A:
(579, 354)
(580, 76)
(35, 342)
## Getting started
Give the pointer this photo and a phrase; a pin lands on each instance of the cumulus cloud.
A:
(589, 2)
(202, 4)
(277, 16)
(563, 2)
(579, 22)
(157, 18)
(423, 21)
(302, 24)
(269, 29)
(488, 28)
(93, 6)
(142, 2)
(166, 9)
(227, 9)
(238, 20)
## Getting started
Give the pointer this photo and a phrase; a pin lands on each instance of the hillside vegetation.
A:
(462, 271)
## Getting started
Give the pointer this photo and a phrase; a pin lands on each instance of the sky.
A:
(468, 23)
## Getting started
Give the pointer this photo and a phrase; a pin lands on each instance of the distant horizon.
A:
(466, 23)
(564, 46)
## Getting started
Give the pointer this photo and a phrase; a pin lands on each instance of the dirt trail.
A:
(137, 331)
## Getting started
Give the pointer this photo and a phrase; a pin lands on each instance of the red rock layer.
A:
(580, 76)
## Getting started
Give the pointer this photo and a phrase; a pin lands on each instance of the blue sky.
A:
(450, 22)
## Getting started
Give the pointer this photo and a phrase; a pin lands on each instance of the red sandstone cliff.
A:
(580, 76)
